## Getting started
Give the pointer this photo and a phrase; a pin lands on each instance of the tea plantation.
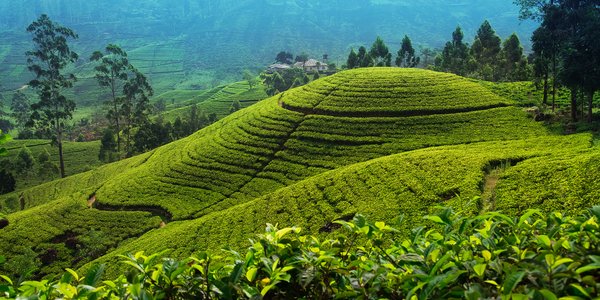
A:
(217, 100)
(382, 142)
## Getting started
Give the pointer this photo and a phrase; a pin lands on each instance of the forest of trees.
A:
(566, 48)
(488, 58)
(566, 53)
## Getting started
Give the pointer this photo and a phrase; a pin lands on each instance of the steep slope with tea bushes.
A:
(406, 185)
(224, 182)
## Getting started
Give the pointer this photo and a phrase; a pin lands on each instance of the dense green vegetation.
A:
(406, 184)
(533, 256)
(269, 163)
(79, 157)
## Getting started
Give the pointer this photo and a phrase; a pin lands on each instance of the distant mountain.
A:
(193, 44)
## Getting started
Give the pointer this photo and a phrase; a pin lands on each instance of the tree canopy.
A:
(406, 55)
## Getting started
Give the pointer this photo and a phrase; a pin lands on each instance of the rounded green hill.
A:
(334, 123)
(390, 92)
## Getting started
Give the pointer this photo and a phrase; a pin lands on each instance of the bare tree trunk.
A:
(574, 104)
(590, 96)
(60, 150)
(554, 82)
(116, 112)
(582, 100)
(545, 100)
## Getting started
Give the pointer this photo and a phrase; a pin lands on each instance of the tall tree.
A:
(112, 72)
(406, 55)
(581, 52)
(547, 40)
(455, 55)
(20, 109)
(47, 61)
(380, 54)
(352, 61)
(136, 105)
(542, 58)
(364, 59)
(515, 63)
(485, 50)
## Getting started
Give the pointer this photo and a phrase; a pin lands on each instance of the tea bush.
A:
(534, 256)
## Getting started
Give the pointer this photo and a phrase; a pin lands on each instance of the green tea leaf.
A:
(479, 269)
(511, 281)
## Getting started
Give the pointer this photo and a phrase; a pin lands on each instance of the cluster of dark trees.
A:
(152, 134)
(285, 57)
(284, 80)
(380, 56)
(566, 48)
(487, 58)
(25, 164)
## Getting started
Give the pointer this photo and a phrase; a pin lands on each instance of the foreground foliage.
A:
(492, 255)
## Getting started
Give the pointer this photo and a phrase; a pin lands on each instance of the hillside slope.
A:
(337, 121)
(402, 187)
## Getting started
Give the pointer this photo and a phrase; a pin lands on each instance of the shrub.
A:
(7, 182)
(534, 256)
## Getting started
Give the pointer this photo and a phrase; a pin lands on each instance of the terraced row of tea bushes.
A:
(320, 139)
(268, 147)
(322, 143)
(569, 182)
(250, 153)
(64, 233)
(407, 184)
(83, 184)
(193, 174)
(217, 100)
(392, 92)
(491, 256)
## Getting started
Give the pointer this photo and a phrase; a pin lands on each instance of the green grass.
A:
(344, 144)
